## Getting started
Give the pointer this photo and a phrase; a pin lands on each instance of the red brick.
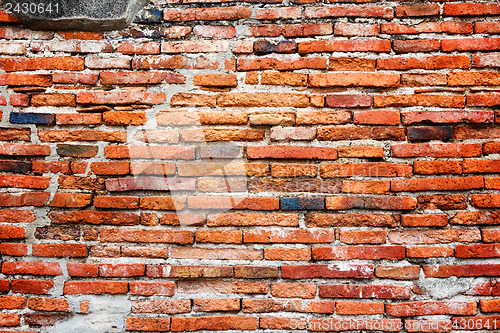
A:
(271, 305)
(31, 286)
(483, 99)
(147, 236)
(267, 63)
(279, 13)
(327, 271)
(78, 119)
(416, 45)
(352, 220)
(17, 216)
(430, 184)
(82, 270)
(219, 236)
(429, 251)
(142, 78)
(358, 252)
(377, 117)
(116, 202)
(437, 167)
(367, 186)
(207, 14)
(71, 200)
(48, 304)
(490, 305)
(15, 149)
(471, 44)
(215, 80)
(473, 78)
(485, 200)
(215, 254)
(144, 251)
(60, 250)
(217, 32)
(423, 220)
(148, 324)
(233, 322)
(372, 202)
(291, 152)
(366, 169)
(255, 272)
(11, 232)
(348, 101)
(428, 62)
(94, 217)
(216, 305)
(10, 319)
(263, 100)
(352, 64)
(353, 80)
(12, 302)
(121, 270)
(32, 268)
(341, 11)
(120, 97)
(446, 117)
(292, 236)
(95, 287)
(37, 199)
(436, 150)
(398, 272)
(461, 270)
(476, 217)
(160, 62)
(434, 236)
(417, 10)
(363, 236)
(320, 46)
(418, 100)
(222, 287)
(353, 29)
(293, 290)
(490, 235)
(487, 27)
(350, 308)
(282, 323)
(287, 254)
(291, 30)
(42, 63)
(152, 288)
(175, 271)
(476, 251)
(468, 9)
(139, 48)
(336, 133)
(13, 249)
(360, 151)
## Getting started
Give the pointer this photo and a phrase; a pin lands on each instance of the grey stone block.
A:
(83, 15)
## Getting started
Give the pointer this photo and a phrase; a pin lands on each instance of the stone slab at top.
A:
(81, 15)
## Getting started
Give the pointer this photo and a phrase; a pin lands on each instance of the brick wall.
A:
(262, 166)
